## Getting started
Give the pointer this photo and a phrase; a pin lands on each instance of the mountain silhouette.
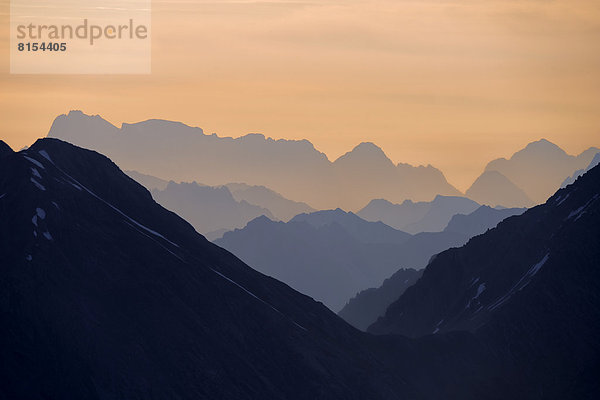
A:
(368, 305)
(295, 169)
(595, 161)
(494, 189)
(281, 208)
(528, 288)
(332, 255)
(415, 217)
(105, 294)
(538, 170)
(364, 231)
(480, 220)
(500, 267)
(211, 210)
(271, 203)
(148, 181)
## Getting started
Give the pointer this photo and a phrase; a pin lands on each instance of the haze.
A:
(448, 83)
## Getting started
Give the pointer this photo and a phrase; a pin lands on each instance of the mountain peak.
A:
(543, 145)
(366, 151)
(368, 148)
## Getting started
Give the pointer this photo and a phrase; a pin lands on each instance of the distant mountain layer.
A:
(211, 210)
(494, 189)
(370, 304)
(480, 220)
(280, 207)
(293, 168)
(538, 170)
(411, 217)
(595, 161)
(148, 181)
(332, 255)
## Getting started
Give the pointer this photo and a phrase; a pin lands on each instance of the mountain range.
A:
(368, 305)
(106, 294)
(332, 255)
(423, 216)
(295, 169)
(528, 288)
(595, 161)
(529, 176)
(211, 210)
(214, 210)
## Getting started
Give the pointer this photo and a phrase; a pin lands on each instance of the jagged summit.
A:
(292, 168)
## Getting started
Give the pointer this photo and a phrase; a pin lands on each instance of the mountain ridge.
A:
(289, 167)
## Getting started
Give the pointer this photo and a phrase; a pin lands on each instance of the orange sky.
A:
(443, 82)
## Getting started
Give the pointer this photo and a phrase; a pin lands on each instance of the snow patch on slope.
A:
(35, 162)
(524, 281)
(37, 184)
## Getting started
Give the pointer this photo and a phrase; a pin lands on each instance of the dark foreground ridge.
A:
(529, 288)
(105, 294)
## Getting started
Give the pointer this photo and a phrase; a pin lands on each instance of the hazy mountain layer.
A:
(411, 217)
(211, 210)
(214, 208)
(595, 161)
(539, 169)
(293, 168)
(332, 255)
(148, 181)
(480, 220)
(370, 304)
(280, 207)
(494, 189)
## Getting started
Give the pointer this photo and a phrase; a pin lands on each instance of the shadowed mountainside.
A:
(368, 305)
(528, 288)
(105, 294)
